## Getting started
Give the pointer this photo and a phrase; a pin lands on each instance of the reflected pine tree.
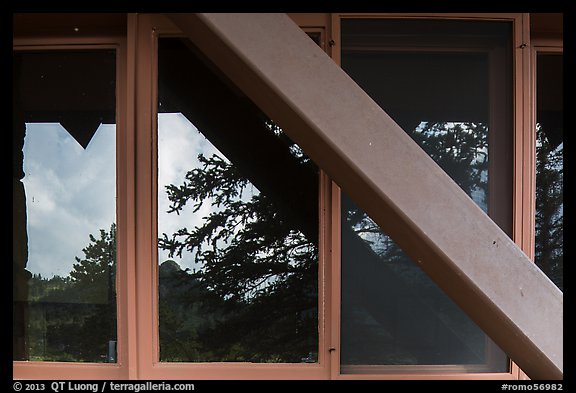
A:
(460, 149)
(73, 318)
(389, 297)
(549, 253)
(254, 296)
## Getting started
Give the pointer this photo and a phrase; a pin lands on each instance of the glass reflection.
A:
(437, 89)
(549, 251)
(237, 224)
(70, 193)
(389, 299)
(461, 150)
(64, 207)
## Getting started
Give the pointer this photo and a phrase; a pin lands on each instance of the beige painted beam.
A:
(391, 178)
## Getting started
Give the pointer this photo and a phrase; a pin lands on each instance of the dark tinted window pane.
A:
(549, 254)
(436, 80)
(237, 224)
(64, 206)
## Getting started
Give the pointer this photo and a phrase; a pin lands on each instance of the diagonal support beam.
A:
(391, 178)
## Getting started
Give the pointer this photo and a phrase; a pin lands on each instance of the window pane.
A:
(237, 224)
(64, 206)
(549, 254)
(437, 80)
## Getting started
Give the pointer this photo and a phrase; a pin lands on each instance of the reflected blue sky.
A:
(70, 194)
(179, 143)
(71, 191)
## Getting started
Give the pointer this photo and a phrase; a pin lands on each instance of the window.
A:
(549, 165)
(65, 206)
(153, 196)
(237, 224)
(235, 202)
(444, 91)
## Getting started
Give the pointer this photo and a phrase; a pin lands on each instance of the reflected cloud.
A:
(70, 193)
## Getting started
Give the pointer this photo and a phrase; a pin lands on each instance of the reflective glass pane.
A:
(549, 254)
(437, 80)
(237, 224)
(64, 206)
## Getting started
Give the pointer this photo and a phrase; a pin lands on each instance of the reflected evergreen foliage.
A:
(549, 254)
(461, 150)
(381, 279)
(254, 295)
(73, 318)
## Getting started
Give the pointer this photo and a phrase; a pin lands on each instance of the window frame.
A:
(522, 179)
(136, 207)
(150, 28)
(89, 370)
